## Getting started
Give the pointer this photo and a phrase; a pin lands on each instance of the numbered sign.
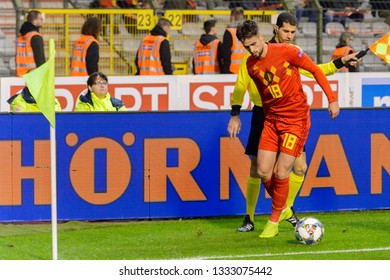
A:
(145, 19)
(175, 18)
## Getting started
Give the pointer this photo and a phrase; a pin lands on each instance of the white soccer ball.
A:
(309, 231)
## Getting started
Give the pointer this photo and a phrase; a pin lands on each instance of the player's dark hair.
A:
(247, 29)
(286, 17)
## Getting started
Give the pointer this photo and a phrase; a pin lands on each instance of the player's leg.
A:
(297, 177)
(266, 156)
(277, 187)
(252, 195)
(253, 183)
(290, 144)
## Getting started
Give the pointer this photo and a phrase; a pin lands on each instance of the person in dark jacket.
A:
(208, 51)
(156, 46)
(233, 51)
(29, 48)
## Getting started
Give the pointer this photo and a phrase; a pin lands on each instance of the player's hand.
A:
(334, 109)
(234, 126)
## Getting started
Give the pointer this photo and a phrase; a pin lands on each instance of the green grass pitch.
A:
(352, 235)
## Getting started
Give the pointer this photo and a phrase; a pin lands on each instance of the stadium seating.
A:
(380, 28)
(4, 70)
(122, 45)
(360, 29)
(334, 29)
(267, 29)
(372, 63)
(7, 48)
(309, 29)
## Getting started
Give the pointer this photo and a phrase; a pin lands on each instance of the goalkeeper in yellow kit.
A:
(285, 30)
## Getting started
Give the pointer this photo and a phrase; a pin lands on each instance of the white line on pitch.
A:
(289, 254)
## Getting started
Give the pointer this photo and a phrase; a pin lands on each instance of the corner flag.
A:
(381, 48)
(40, 82)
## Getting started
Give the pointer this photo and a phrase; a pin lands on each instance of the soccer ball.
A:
(309, 231)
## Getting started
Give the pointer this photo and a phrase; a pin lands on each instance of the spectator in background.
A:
(85, 56)
(179, 4)
(154, 55)
(131, 19)
(306, 8)
(102, 4)
(127, 4)
(233, 51)
(382, 8)
(208, 51)
(233, 4)
(269, 5)
(25, 102)
(344, 48)
(201, 4)
(347, 10)
(97, 97)
(29, 47)
(105, 18)
(182, 5)
(211, 4)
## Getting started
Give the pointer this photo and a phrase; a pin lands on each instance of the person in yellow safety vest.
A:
(29, 46)
(233, 51)
(344, 48)
(25, 102)
(85, 56)
(97, 98)
(154, 54)
(207, 51)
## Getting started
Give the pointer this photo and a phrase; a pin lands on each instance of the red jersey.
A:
(278, 80)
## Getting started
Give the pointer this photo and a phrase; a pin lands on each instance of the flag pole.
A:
(41, 83)
(53, 193)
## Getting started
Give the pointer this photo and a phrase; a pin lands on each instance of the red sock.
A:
(268, 186)
(279, 198)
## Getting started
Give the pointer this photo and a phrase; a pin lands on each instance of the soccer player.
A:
(274, 70)
(285, 30)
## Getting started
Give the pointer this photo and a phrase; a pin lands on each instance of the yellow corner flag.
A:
(40, 82)
(382, 48)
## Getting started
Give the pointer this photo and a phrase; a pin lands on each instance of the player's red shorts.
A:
(285, 135)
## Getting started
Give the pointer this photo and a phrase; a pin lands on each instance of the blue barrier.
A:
(180, 164)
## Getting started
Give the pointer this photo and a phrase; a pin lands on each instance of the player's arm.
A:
(242, 82)
(241, 86)
(328, 68)
(303, 61)
(331, 67)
